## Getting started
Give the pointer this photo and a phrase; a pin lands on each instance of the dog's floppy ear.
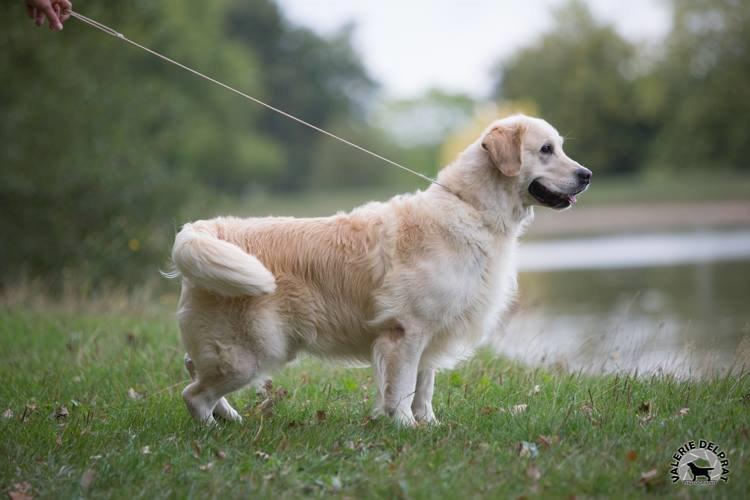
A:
(504, 144)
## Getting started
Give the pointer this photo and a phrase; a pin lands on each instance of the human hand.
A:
(56, 12)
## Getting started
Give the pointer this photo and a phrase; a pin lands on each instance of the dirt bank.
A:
(641, 217)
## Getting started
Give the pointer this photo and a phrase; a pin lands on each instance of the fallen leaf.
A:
(265, 407)
(532, 472)
(336, 484)
(268, 385)
(587, 409)
(87, 479)
(648, 475)
(208, 466)
(644, 407)
(280, 393)
(547, 441)
(650, 478)
(518, 409)
(320, 416)
(196, 449)
(262, 455)
(61, 412)
(527, 449)
(682, 412)
(221, 455)
(21, 491)
(8, 413)
(631, 456)
(134, 395)
(146, 450)
(167, 468)
(487, 410)
(27, 411)
(645, 419)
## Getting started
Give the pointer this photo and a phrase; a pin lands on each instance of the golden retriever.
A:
(410, 285)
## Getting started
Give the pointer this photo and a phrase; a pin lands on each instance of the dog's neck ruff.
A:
(481, 186)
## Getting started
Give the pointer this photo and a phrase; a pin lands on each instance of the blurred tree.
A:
(706, 111)
(417, 129)
(320, 80)
(584, 78)
(335, 166)
(105, 146)
(425, 119)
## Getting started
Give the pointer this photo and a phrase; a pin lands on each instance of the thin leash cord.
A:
(109, 31)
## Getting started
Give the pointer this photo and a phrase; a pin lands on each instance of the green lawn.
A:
(119, 374)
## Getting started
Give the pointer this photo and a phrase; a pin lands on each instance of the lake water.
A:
(674, 303)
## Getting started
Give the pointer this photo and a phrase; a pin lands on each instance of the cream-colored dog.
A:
(410, 285)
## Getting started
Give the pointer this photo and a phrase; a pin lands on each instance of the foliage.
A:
(106, 150)
(628, 108)
(104, 146)
(318, 79)
(580, 76)
(706, 71)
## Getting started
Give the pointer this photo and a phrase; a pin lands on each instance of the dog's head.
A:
(529, 151)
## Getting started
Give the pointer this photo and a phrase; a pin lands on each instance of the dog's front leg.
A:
(396, 359)
(422, 404)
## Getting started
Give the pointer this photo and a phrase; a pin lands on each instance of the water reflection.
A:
(687, 319)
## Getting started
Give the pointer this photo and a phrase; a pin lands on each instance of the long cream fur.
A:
(410, 285)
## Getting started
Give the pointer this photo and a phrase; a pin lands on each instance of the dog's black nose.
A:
(584, 175)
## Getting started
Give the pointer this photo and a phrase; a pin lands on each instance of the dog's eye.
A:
(547, 149)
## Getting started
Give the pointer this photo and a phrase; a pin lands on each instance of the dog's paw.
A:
(377, 413)
(404, 419)
(428, 418)
(224, 410)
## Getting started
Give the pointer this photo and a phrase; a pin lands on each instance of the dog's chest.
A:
(464, 292)
(471, 313)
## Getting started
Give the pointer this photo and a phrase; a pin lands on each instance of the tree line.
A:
(106, 150)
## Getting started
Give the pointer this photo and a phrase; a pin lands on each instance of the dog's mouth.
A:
(553, 199)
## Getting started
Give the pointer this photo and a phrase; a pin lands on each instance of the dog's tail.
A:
(217, 265)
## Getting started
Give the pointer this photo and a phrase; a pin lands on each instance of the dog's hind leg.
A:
(218, 374)
(422, 404)
(222, 409)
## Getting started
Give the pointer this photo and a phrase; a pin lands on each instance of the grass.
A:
(128, 435)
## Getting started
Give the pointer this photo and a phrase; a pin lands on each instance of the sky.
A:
(410, 46)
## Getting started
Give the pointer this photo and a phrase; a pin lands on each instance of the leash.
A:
(109, 31)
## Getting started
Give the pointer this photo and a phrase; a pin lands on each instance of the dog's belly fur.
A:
(379, 269)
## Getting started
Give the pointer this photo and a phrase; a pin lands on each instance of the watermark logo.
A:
(699, 463)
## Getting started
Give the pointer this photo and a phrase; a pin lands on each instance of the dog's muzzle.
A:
(557, 199)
